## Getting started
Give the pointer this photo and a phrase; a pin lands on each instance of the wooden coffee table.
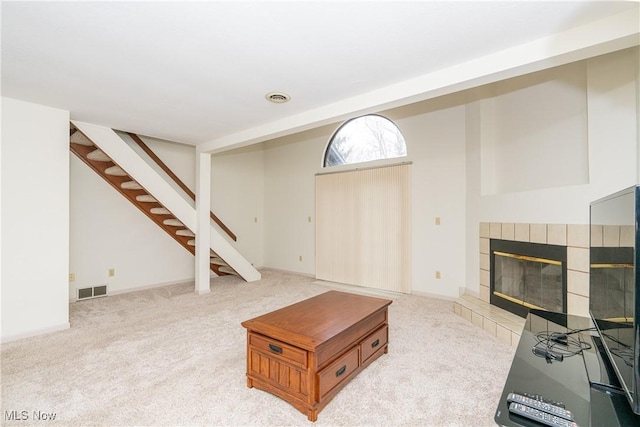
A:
(306, 352)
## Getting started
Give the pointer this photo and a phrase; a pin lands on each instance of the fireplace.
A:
(528, 275)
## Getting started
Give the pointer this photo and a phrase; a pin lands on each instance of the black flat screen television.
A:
(614, 288)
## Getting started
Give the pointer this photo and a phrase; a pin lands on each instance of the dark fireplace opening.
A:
(528, 275)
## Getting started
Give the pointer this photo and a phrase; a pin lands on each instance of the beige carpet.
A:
(168, 357)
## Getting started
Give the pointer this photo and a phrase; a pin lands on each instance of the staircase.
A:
(104, 166)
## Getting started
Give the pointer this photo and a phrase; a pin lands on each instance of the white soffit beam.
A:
(597, 38)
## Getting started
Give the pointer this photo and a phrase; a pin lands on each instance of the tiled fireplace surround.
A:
(502, 324)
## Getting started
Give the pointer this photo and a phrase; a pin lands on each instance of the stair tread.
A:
(228, 270)
(131, 185)
(192, 242)
(173, 222)
(99, 156)
(217, 261)
(185, 232)
(160, 211)
(79, 138)
(115, 171)
(147, 198)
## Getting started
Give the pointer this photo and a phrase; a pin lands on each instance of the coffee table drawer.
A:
(279, 350)
(374, 342)
(338, 371)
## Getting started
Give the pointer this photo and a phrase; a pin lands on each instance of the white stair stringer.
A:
(136, 167)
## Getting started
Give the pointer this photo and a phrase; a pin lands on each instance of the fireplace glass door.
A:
(528, 275)
(532, 282)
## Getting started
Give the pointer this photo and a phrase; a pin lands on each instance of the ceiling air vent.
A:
(277, 97)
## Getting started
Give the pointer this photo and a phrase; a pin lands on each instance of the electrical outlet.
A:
(309, 219)
(112, 272)
(437, 220)
(300, 258)
(72, 277)
(438, 275)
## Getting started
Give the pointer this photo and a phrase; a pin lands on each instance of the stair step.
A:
(186, 233)
(79, 138)
(228, 270)
(131, 185)
(160, 211)
(115, 171)
(99, 156)
(217, 261)
(146, 198)
(192, 242)
(173, 222)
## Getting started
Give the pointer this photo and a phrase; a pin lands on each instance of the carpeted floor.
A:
(169, 357)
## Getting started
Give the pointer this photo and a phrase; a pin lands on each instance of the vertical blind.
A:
(363, 227)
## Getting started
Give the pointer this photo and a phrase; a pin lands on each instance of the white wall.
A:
(540, 130)
(436, 146)
(237, 198)
(613, 129)
(611, 143)
(475, 132)
(290, 165)
(35, 219)
(536, 151)
(180, 158)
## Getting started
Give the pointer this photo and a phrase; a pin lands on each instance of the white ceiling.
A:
(197, 72)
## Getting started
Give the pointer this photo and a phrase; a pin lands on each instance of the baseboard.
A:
(358, 289)
(431, 295)
(156, 285)
(144, 287)
(36, 332)
(465, 291)
(381, 292)
(287, 272)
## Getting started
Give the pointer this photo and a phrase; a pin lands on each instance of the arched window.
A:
(363, 139)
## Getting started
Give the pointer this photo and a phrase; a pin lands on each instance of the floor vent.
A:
(92, 292)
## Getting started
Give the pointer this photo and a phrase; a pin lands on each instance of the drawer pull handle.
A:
(275, 349)
(375, 343)
(341, 371)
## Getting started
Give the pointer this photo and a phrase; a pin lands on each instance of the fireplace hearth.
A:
(528, 275)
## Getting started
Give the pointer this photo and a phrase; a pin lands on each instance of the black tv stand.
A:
(583, 381)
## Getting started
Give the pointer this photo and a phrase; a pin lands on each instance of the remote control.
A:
(539, 416)
(541, 398)
(540, 405)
